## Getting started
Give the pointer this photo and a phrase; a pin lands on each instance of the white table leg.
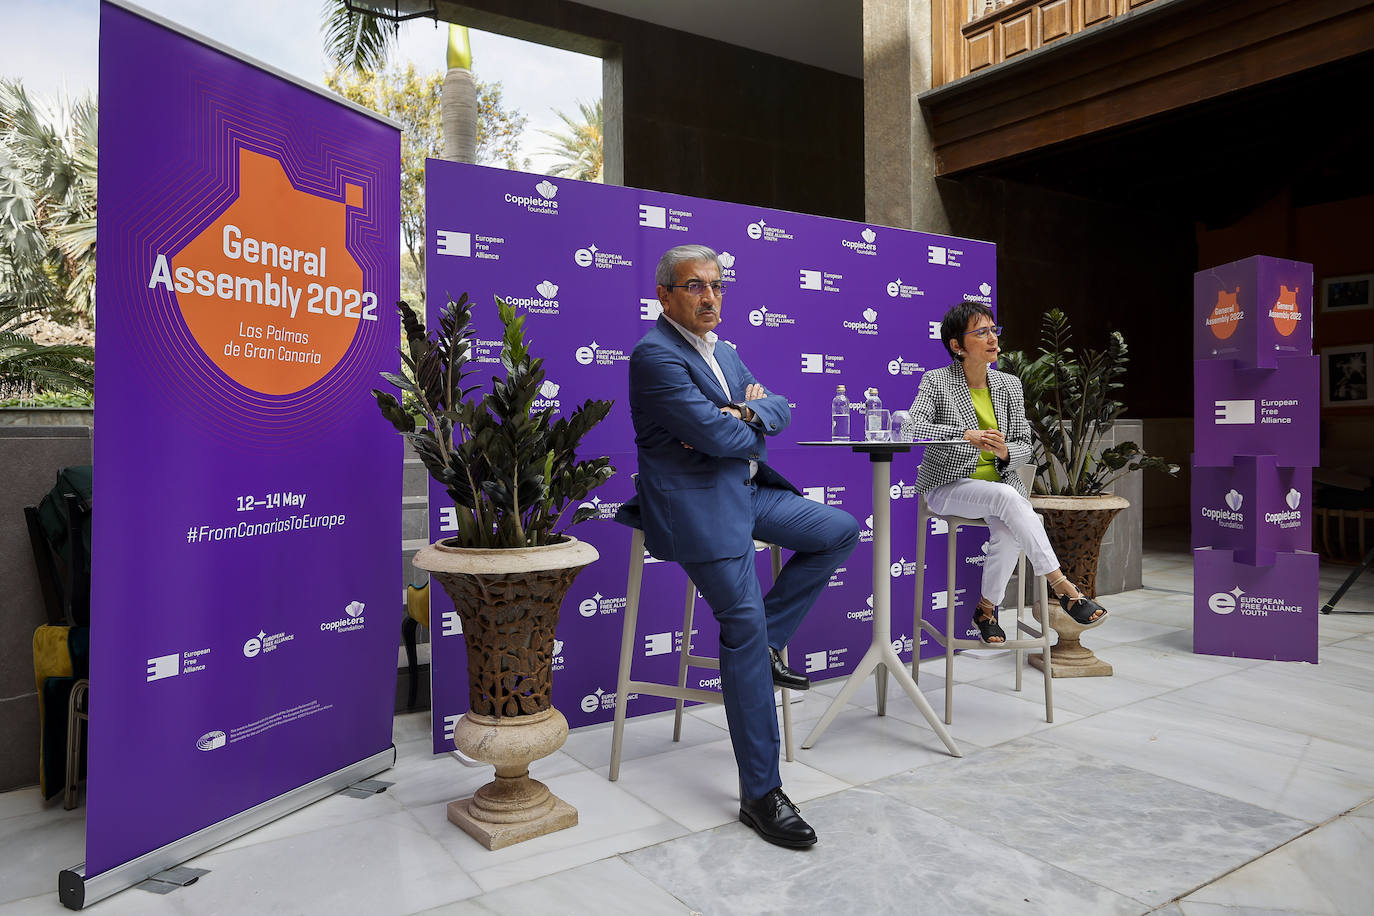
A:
(880, 657)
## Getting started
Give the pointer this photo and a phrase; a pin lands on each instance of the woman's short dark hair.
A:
(955, 323)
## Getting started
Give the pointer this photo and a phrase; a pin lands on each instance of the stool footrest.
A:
(673, 692)
(702, 661)
(962, 643)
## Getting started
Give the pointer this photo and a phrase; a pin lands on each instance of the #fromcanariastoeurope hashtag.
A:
(197, 534)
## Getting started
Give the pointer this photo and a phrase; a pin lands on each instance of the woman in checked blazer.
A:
(968, 400)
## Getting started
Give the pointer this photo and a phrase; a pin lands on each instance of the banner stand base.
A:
(76, 889)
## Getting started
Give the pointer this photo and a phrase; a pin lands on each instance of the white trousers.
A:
(1013, 523)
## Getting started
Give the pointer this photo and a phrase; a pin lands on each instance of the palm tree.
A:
(579, 149)
(357, 41)
(47, 203)
(27, 367)
(361, 41)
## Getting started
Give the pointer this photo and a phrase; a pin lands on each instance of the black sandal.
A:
(988, 628)
(1082, 609)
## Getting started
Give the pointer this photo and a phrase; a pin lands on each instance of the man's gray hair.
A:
(666, 274)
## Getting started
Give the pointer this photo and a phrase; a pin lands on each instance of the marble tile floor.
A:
(1185, 784)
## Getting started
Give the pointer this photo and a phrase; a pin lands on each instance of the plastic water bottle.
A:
(875, 430)
(839, 416)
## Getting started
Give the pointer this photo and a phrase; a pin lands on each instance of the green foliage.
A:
(356, 41)
(578, 149)
(1071, 406)
(413, 99)
(47, 204)
(46, 399)
(28, 368)
(511, 471)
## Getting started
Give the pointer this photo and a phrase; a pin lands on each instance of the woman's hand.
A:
(988, 440)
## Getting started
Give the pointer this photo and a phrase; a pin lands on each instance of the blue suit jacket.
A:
(695, 504)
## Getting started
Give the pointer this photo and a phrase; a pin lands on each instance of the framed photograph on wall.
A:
(1346, 376)
(1348, 294)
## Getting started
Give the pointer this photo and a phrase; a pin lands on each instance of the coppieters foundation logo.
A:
(545, 302)
(1231, 516)
(866, 245)
(541, 201)
(354, 620)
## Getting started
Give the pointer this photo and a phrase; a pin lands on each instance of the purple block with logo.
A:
(1249, 611)
(1253, 311)
(1240, 411)
(1255, 508)
(812, 302)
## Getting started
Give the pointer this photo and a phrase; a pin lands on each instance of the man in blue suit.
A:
(705, 492)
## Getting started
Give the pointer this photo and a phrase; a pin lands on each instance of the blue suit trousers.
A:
(751, 622)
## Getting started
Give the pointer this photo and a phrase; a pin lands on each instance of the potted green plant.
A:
(1071, 406)
(516, 482)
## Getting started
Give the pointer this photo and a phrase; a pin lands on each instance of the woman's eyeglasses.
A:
(982, 333)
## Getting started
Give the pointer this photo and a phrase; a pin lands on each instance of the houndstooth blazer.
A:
(943, 409)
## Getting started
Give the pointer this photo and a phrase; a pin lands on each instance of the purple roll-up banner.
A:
(1255, 413)
(244, 599)
(813, 302)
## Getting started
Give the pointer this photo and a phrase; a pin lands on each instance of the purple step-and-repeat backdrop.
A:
(1255, 413)
(243, 638)
(812, 302)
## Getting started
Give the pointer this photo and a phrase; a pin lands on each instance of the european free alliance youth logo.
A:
(591, 256)
(760, 230)
(595, 354)
(898, 365)
(897, 289)
(763, 317)
(1237, 599)
(265, 642)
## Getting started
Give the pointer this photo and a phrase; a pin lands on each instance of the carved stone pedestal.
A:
(512, 808)
(508, 601)
(1070, 658)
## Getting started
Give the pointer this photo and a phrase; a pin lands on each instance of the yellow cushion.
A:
(417, 604)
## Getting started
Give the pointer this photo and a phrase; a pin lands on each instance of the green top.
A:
(987, 419)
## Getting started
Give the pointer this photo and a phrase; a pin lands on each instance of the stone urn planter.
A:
(1075, 526)
(508, 601)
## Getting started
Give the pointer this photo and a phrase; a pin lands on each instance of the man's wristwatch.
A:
(745, 413)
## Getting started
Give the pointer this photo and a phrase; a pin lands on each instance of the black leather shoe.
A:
(777, 820)
(784, 676)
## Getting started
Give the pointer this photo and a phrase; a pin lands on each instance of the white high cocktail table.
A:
(880, 657)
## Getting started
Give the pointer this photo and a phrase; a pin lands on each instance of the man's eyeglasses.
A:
(982, 333)
(698, 287)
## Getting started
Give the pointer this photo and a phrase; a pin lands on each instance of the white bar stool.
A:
(1036, 638)
(686, 658)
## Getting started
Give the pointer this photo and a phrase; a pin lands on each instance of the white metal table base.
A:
(880, 657)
